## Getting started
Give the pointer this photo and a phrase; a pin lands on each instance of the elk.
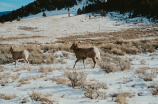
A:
(20, 55)
(84, 53)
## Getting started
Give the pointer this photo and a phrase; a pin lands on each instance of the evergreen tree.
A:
(44, 14)
(3, 21)
(79, 11)
(18, 18)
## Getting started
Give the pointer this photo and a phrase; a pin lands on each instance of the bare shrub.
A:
(25, 100)
(60, 80)
(65, 54)
(62, 61)
(140, 71)
(22, 81)
(2, 68)
(108, 67)
(117, 51)
(130, 50)
(142, 62)
(114, 95)
(154, 89)
(147, 75)
(40, 97)
(122, 64)
(5, 76)
(121, 98)
(46, 69)
(92, 90)
(113, 64)
(8, 96)
(77, 79)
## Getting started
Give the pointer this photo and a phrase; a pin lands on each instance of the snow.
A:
(58, 24)
(117, 82)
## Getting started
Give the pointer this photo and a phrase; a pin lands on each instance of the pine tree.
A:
(44, 14)
(3, 21)
(79, 11)
(18, 18)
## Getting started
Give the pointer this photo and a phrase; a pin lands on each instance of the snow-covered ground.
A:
(58, 24)
(117, 82)
(38, 29)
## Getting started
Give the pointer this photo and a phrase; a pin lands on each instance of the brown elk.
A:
(20, 55)
(84, 53)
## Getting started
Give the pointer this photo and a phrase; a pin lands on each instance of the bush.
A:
(122, 64)
(107, 67)
(147, 75)
(46, 69)
(8, 97)
(142, 62)
(77, 78)
(154, 90)
(37, 96)
(92, 90)
(117, 51)
(121, 98)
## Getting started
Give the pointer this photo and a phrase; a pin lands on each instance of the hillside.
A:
(134, 8)
(127, 72)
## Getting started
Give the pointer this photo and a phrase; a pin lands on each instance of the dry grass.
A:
(114, 64)
(154, 90)
(121, 98)
(92, 90)
(40, 97)
(117, 43)
(2, 68)
(46, 69)
(36, 53)
(142, 62)
(77, 79)
(60, 80)
(108, 67)
(22, 81)
(8, 96)
(147, 74)
(27, 28)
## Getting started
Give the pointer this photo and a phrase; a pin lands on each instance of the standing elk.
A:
(83, 53)
(20, 55)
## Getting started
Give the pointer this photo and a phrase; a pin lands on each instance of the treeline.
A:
(147, 8)
(37, 7)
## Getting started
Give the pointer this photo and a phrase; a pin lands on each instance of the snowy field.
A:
(49, 82)
(32, 79)
(46, 29)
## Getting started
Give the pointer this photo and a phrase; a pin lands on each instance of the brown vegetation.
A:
(40, 97)
(8, 96)
(77, 79)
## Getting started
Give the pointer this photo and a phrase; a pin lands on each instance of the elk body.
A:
(20, 55)
(84, 53)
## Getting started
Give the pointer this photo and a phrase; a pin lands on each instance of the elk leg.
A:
(94, 62)
(76, 62)
(27, 62)
(16, 61)
(83, 63)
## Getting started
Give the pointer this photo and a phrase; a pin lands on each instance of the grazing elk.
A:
(83, 53)
(20, 55)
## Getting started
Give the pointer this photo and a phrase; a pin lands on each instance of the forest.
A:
(146, 8)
